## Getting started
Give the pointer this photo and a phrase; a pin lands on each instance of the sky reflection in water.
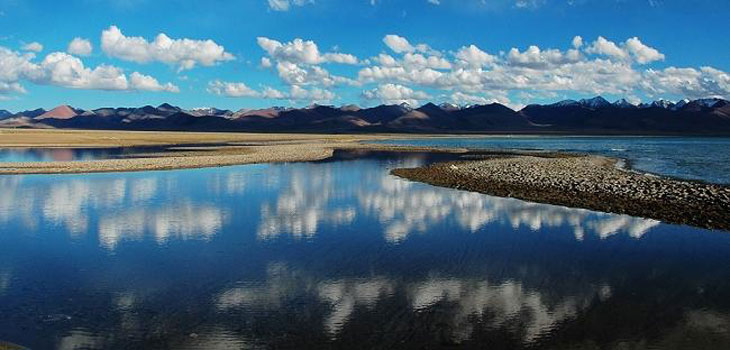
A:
(339, 253)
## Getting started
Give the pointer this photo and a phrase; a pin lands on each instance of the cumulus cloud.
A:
(631, 48)
(687, 82)
(231, 89)
(395, 94)
(605, 47)
(302, 51)
(474, 57)
(642, 53)
(296, 93)
(601, 67)
(143, 82)
(183, 53)
(80, 47)
(62, 69)
(398, 44)
(298, 65)
(34, 47)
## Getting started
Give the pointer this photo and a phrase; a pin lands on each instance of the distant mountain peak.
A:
(350, 108)
(449, 106)
(623, 103)
(60, 112)
(708, 102)
(565, 103)
(596, 102)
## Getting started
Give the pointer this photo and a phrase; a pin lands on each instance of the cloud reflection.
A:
(312, 197)
(184, 221)
(297, 200)
(463, 300)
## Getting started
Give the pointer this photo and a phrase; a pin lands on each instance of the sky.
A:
(261, 53)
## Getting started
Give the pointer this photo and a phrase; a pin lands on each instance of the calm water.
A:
(339, 254)
(706, 159)
(71, 154)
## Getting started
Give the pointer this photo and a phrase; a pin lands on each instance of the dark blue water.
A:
(339, 254)
(706, 159)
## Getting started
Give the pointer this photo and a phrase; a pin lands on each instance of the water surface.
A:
(73, 154)
(339, 254)
(693, 158)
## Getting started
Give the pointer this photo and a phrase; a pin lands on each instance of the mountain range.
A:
(587, 116)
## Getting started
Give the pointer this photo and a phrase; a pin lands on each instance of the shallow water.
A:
(693, 158)
(340, 254)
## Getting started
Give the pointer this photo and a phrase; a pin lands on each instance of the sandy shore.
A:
(589, 182)
(199, 150)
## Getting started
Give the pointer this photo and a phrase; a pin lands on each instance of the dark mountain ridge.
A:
(586, 116)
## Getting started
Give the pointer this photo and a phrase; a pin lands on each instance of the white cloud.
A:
(686, 82)
(434, 2)
(398, 44)
(62, 69)
(577, 42)
(395, 94)
(416, 60)
(143, 82)
(302, 51)
(231, 89)
(296, 93)
(631, 48)
(605, 47)
(297, 63)
(312, 95)
(534, 57)
(474, 57)
(80, 47)
(460, 98)
(642, 53)
(285, 5)
(183, 53)
(34, 46)
(603, 67)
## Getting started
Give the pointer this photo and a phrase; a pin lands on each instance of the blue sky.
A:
(260, 53)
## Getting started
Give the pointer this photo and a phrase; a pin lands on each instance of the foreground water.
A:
(693, 158)
(341, 254)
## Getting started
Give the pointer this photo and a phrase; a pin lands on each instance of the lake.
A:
(340, 254)
(692, 158)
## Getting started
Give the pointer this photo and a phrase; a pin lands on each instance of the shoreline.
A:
(182, 150)
(583, 181)
(569, 179)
